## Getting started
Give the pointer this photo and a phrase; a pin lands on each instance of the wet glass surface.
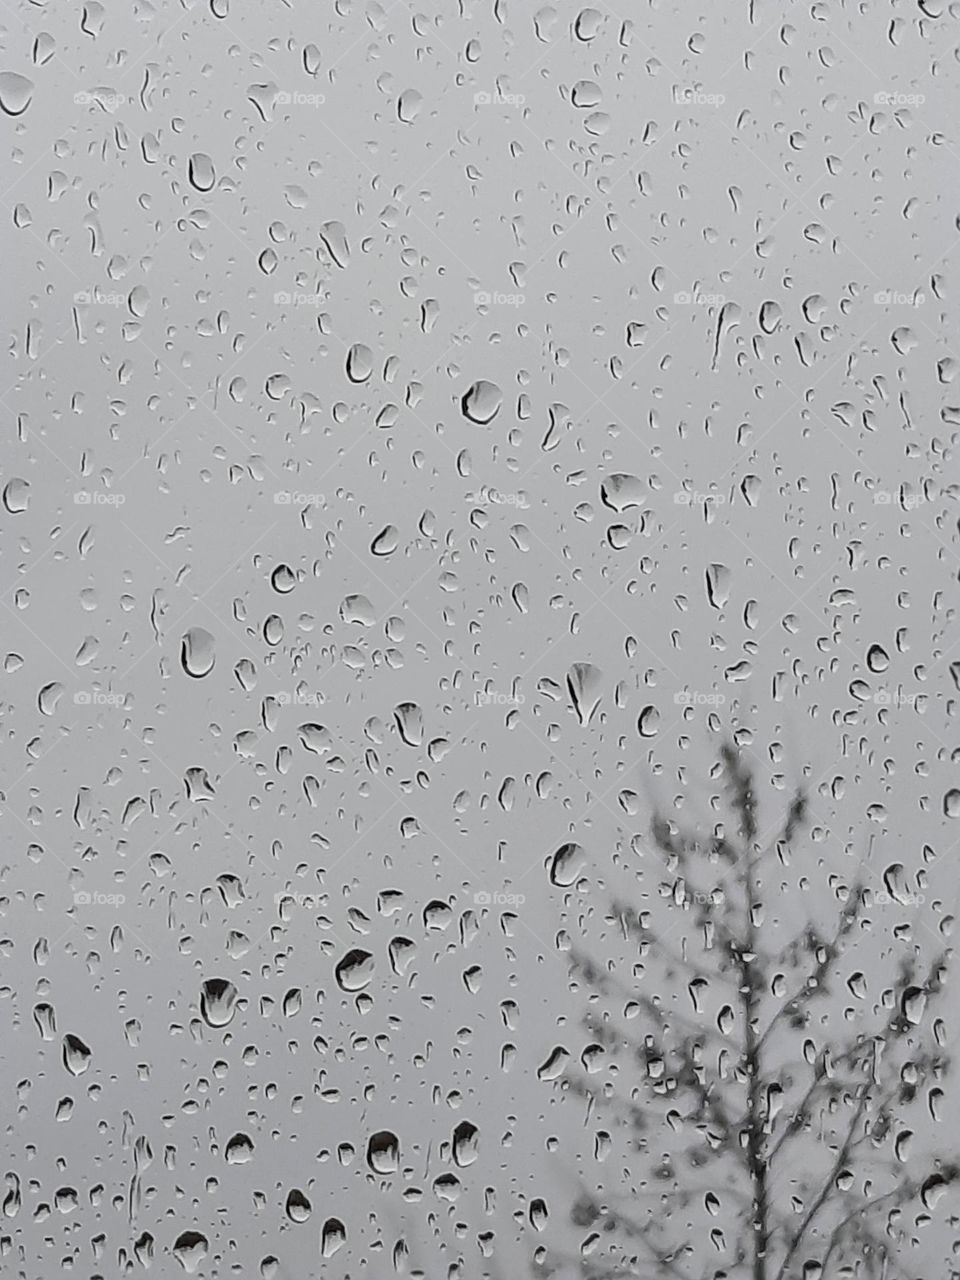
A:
(479, 662)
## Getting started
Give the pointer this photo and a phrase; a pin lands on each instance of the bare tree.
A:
(770, 1101)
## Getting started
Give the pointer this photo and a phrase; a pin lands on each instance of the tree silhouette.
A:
(769, 1101)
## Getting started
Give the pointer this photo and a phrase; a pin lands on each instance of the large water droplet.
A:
(190, 1248)
(355, 970)
(481, 403)
(218, 997)
(76, 1055)
(298, 1207)
(383, 1152)
(201, 172)
(197, 656)
(567, 863)
(16, 93)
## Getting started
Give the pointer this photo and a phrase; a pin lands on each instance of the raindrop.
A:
(201, 172)
(190, 1248)
(76, 1055)
(567, 864)
(333, 1236)
(16, 93)
(355, 970)
(383, 1152)
(239, 1150)
(481, 403)
(218, 999)
(197, 656)
(359, 363)
(298, 1208)
(385, 543)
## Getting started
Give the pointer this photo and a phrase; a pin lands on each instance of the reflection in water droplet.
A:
(16, 93)
(218, 998)
(298, 1207)
(76, 1055)
(567, 863)
(197, 656)
(359, 363)
(332, 1237)
(408, 105)
(355, 970)
(385, 543)
(190, 1248)
(239, 1150)
(201, 172)
(383, 1152)
(481, 403)
(16, 496)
